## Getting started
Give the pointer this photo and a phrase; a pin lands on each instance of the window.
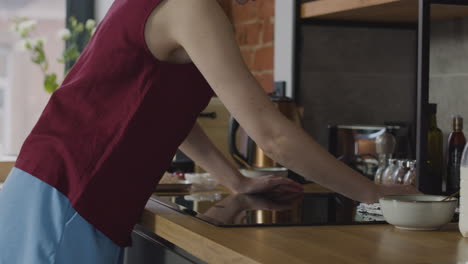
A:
(22, 97)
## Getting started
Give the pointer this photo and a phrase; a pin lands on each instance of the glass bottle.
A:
(385, 143)
(456, 144)
(463, 220)
(434, 152)
(410, 177)
(387, 176)
(383, 163)
(400, 172)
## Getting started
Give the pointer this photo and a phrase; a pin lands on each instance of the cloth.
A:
(109, 133)
(39, 226)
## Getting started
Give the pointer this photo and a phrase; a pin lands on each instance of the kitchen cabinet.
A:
(149, 248)
(414, 15)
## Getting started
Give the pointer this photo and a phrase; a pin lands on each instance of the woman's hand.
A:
(268, 184)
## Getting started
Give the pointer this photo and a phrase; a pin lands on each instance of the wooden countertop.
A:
(309, 244)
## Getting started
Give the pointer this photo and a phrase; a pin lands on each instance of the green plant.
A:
(24, 28)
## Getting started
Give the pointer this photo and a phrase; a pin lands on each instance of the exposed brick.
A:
(248, 55)
(248, 34)
(254, 26)
(243, 13)
(264, 59)
(265, 8)
(268, 31)
(266, 81)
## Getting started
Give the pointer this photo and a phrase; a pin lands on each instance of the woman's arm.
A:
(200, 149)
(203, 30)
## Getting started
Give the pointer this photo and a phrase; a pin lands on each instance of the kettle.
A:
(250, 154)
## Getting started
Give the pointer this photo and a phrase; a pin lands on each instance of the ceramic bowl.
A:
(418, 212)
(277, 171)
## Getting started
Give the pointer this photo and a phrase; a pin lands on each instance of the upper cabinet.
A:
(393, 11)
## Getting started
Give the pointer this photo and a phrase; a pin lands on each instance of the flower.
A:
(93, 31)
(39, 41)
(79, 28)
(64, 34)
(90, 24)
(26, 26)
(24, 44)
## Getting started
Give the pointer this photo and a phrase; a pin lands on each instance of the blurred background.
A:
(22, 96)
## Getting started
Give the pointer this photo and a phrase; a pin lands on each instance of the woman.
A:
(107, 135)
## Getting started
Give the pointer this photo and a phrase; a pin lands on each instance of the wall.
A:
(284, 69)
(101, 7)
(356, 75)
(254, 26)
(449, 71)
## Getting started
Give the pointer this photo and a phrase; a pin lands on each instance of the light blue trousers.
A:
(38, 226)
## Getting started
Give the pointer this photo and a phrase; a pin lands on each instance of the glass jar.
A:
(410, 177)
(383, 163)
(387, 176)
(400, 172)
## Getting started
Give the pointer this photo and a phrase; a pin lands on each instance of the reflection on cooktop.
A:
(237, 210)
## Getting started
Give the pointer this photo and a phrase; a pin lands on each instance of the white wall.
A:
(284, 43)
(101, 7)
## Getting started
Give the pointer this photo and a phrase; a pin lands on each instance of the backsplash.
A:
(254, 26)
(449, 71)
(356, 75)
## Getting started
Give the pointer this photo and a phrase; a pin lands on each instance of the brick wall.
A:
(254, 26)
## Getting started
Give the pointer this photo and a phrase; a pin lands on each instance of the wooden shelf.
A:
(391, 11)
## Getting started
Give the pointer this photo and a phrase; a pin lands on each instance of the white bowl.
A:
(418, 212)
(277, 171)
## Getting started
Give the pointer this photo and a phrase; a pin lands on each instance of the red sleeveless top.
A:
(109, 133)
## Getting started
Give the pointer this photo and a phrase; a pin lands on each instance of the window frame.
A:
(82, 10)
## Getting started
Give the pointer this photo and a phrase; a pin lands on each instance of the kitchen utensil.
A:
(417, 212)
(451, 196)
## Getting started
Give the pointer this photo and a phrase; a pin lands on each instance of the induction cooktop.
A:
(241, 210)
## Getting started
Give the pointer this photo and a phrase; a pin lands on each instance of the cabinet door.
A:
(150, 249)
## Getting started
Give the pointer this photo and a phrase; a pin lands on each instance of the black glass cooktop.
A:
(272, 209)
